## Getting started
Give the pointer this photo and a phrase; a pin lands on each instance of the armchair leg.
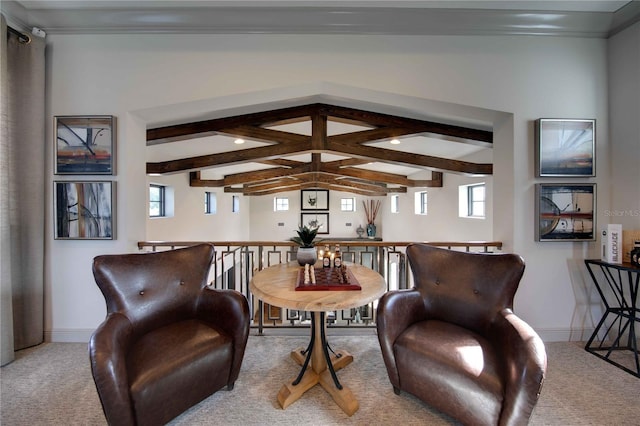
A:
(230, 386)
(396, 390)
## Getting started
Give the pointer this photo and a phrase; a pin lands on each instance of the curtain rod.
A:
(21, 36)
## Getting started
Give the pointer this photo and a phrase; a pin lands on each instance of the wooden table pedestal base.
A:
(317, 372)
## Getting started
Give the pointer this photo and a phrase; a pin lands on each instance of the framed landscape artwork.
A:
(317, 219)
(565, 212)
(84, 210)
(315, 199)
(565, 147)
(84, 145)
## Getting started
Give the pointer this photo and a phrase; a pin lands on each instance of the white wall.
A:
(150, 78)
(189, 221)
(624, 115)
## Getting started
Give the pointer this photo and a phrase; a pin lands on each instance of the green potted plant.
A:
(306, 240)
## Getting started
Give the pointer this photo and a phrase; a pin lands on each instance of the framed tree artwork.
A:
(84, 210)
(565, 147)
(565, 212)
(316, 219)
(314, 199)
(84, 145)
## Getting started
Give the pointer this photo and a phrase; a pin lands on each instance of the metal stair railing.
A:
(236, 262)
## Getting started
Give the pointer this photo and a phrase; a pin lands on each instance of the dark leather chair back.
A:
(466, 289)
(454, 342)
(168, 341)
(129, 283)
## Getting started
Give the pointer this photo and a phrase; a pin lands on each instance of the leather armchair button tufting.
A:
(176, 347)
(467, 356)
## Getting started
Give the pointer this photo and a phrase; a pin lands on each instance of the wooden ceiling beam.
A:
(262, 175)
(278, 183)
(386, 120)
(265, 135)
(340, 175)
(366, 174)
(199, 129)
(406, 158)
(227, 158)
(304, 173)
(275, 117)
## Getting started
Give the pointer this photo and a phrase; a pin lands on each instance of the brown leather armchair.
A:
(454, 342)
(167, 341)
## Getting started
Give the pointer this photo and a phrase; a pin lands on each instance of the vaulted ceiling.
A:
(319, 146)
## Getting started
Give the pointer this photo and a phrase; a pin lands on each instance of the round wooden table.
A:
(276, 285)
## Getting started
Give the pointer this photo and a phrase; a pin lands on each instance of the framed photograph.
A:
(565, 212)
(319, 219)
(84, 145)
(565, 147)
(314, 199)
(84, 210)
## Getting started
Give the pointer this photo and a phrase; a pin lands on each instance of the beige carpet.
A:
(51, 385)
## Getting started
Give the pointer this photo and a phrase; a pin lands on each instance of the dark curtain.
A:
(22, 192)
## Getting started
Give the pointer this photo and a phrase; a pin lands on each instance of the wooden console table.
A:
(276, 285)
(617, 285)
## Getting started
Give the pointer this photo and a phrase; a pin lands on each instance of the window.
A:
(280, 204)
(472, 200)
(235, 207)
(210, 203)
(395, 204)
(157, 197)
(421, 203)
(348, 204)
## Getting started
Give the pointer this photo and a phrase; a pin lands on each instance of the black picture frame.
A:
(565, 147)
(84, 144)
(84, 210)
(320, 219)
(314, 199)
(565, 212)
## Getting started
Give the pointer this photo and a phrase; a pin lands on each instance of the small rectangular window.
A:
(476, 200)
(235, 207)
(156, 200)
(395, 204)
(210, 203)
(348, 204)
(421, 203)
(280, 204)
(472, 200)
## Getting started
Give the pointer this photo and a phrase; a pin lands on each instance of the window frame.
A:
(421, 203)
(161, 202)
(472, 201)
(209, 206)
(279, 203)
(395, 203)
(348, 200)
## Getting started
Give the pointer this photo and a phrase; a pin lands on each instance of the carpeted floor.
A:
(51, 385)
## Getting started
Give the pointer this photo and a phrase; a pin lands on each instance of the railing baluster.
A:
(248, 257)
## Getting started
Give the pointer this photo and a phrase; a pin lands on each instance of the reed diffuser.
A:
(371, 208)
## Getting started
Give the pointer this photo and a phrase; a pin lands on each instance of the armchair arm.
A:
(227, 310)
(396, 311)
(107, 349)
(526, 363)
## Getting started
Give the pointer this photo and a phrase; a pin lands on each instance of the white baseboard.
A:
(564, 334)
(68, 335)
(546, 334)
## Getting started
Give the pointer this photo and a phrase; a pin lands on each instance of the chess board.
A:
(329, 279)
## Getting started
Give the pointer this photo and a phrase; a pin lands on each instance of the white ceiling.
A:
(582, 18)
